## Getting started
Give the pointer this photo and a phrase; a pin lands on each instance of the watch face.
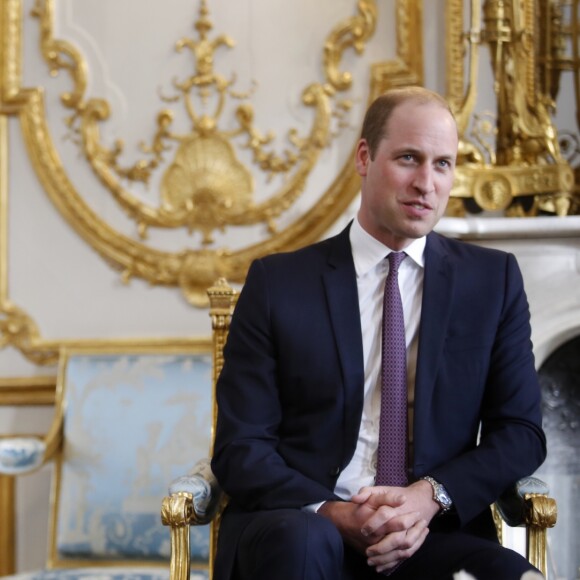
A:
(440, 494)
(443, 498)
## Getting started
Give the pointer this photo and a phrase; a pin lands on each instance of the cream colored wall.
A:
(67, 288)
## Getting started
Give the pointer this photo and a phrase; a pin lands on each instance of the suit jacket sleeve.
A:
(254, 467)
(511, 441)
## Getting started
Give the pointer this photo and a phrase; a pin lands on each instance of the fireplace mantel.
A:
(502, 228)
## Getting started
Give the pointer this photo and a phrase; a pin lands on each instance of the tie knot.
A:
(395, 259)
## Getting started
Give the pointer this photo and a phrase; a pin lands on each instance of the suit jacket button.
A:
(334, 471)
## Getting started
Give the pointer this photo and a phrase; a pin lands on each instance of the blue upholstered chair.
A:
(126, 423)
(195, 499)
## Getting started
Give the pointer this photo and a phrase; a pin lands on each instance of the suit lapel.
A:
(438, 288)
(342, 299)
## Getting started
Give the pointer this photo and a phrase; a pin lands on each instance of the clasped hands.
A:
(386, 524)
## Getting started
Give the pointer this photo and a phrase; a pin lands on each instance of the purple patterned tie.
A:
(392, 453)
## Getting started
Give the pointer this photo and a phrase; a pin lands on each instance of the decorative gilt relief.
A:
(205, 186)
(512, 163)
(19, 330)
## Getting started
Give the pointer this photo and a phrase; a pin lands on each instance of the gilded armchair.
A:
(196, 499)
(126, 420)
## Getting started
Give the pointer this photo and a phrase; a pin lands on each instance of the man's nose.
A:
(423, 179)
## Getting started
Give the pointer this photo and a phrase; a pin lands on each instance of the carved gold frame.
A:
(192, 271)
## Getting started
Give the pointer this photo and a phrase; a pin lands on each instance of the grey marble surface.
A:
(560, 380)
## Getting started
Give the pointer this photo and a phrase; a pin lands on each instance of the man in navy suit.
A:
(299, 394)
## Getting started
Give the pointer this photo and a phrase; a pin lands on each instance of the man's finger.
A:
(397, 546)
(403, 555)
(386, 520)
(377, 496)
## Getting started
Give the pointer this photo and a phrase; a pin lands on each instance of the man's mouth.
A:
(419, 205)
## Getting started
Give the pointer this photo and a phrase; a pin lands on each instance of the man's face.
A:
(405, 188)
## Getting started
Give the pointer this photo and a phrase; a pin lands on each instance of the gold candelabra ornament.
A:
(560, 53)
(511, 163)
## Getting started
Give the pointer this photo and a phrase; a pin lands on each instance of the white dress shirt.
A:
(371, 268)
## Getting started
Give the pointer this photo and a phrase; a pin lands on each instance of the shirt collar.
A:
(368, 252)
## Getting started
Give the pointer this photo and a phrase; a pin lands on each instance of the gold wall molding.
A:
(27, 391)
(191, 270)
(513, 164)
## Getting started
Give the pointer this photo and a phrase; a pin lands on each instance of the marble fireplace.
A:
(548, 251)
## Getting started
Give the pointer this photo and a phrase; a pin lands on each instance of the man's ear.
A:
(362, 157)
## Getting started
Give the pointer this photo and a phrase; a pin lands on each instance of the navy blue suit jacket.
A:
(290, 395)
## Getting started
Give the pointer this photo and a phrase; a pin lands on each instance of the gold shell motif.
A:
(208, 183)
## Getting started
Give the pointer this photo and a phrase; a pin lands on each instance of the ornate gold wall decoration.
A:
(519, 156)
(205, 187)
(194, 269)
(352, 33)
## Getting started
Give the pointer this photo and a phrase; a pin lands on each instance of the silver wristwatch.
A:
(440, 494)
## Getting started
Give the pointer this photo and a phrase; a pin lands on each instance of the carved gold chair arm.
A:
(176, 512)
(195, 499)
(528, 504)
(541, 514)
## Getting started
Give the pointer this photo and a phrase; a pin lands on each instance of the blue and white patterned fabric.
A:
(103, 574)
(20, 455)
(132, 424)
